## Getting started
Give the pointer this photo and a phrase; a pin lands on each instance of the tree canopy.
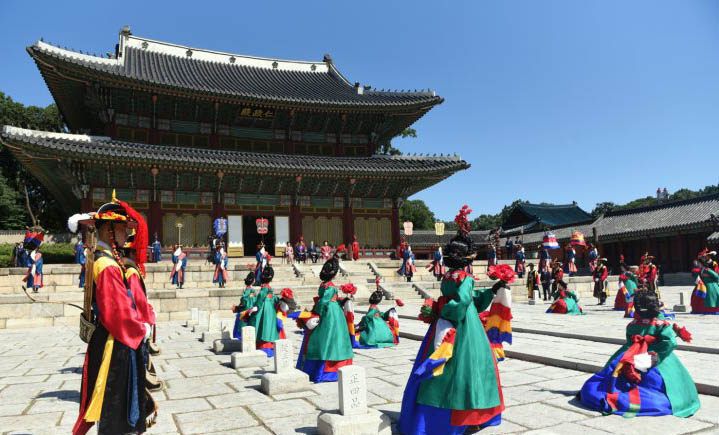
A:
(14, 178)
(387, 148)
(418, 213)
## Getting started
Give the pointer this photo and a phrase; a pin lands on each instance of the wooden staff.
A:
(87, 326)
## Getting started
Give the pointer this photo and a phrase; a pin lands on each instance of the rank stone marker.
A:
(353, 418)
(203, 323)
(682, 307)
(353, 391)
(249, 356)
(194, 318)
(286, 378)
(214, 330)
(225, 343)
(535, 297)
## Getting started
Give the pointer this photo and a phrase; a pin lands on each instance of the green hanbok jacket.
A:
(469, 380)
(570, 298)
(680, 388)
(630, 284)
(711, 281)
(330, 340)
(375, 331)
(265, 319)
(247, 301)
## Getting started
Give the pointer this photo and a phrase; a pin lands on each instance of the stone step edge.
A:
(702, 388)
(585, 337)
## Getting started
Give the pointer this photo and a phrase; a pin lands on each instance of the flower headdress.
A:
(502, 272)
(463, 225)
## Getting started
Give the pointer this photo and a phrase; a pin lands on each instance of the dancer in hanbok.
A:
(629, 281)
(565, 301)
(498, 320)
(519, 260)
(179, 262)
(408, 268)
(436, 266)
(705, 297)
(377, 328)
(570, 256)
(247, 301)
(454, 384)
(263, 315)
(262, 259)
(221, 275)
(34, 276)
(644, 377)
(326, 346)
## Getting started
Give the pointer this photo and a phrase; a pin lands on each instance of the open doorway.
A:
(250, 238)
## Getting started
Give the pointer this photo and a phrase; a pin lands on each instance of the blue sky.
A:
(555, 101)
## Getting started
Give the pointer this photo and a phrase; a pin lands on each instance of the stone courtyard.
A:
(40, 372)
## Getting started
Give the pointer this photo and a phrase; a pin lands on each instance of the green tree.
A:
(16, 177)
(12, 214)
(387, 148)
(603, 207)
(418, 213)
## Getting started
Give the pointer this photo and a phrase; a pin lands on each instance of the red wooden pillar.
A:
(155, 221)
(295, 222)
(86, 205)
(395, 224)
(348, 224)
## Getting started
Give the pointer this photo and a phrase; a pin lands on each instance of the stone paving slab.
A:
(204, 395)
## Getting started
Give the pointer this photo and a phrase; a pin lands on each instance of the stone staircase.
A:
(171, 303)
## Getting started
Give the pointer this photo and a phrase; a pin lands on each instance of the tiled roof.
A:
(688, 214)
(105, 149)
(554, 215)
(692, 215)
(260, 79)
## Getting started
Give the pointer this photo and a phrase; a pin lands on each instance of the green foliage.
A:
(52, 253)
(418, 213)
(16, 178)
(12, 215)
(603, 207)
(387, 148)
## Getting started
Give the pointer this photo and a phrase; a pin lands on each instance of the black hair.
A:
(267, 274)
(250, 278)
(330, 269)
(459, 252)
(562, 283)
(646, 304)
(376, 297)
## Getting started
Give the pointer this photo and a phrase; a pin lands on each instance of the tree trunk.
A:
(29, 210)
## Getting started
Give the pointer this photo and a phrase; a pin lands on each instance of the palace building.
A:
(188, 135)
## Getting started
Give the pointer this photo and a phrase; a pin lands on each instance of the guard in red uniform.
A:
(600, 275)
(557, 274)
(650, 274)
(113, 378)
(355, 249)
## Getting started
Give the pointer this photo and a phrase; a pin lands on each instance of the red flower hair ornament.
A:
(501, 272)
(286, 293)
(461, 220)
(349, 289)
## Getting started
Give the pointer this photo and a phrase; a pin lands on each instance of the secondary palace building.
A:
(188, 135)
